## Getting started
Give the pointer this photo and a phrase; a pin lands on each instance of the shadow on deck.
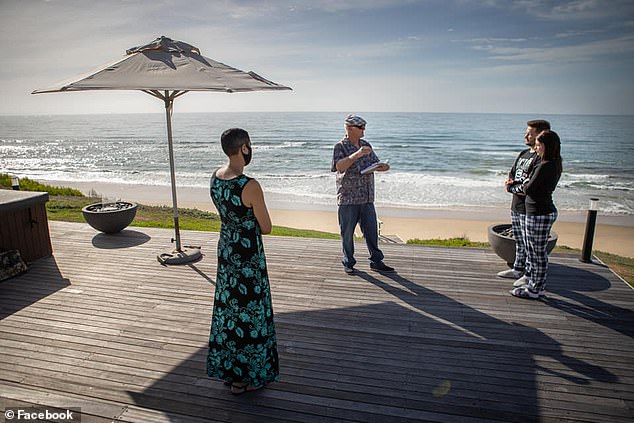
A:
(442, 340)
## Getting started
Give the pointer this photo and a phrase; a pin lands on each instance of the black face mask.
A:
(247, 157)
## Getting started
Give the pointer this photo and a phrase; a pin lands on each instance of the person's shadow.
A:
(420, 356)
(537, 342)
(570, 283)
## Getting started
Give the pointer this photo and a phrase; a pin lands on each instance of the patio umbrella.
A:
(167, 69)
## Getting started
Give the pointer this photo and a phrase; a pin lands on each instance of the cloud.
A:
(573, 9)
(257, 9)
(490, 40)
(595, 50)
(333, 6)
(560, 10)
(578, 33)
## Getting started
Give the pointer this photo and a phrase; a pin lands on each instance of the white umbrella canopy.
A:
(167, 69)
(165, 64)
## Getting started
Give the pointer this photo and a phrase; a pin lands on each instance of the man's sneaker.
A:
(521, 281)
(380, 267)
(349, 270)
(525, 292)
(510, 274)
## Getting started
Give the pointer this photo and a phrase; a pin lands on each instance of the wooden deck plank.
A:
(103, 325)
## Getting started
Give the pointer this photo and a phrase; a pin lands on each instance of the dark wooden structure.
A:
(103, 327)
(24, 225)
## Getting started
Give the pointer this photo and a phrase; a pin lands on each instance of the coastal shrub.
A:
(5, 180)
(27, 184)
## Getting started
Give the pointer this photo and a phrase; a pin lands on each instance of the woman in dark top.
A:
(541, 213)
(242, 343)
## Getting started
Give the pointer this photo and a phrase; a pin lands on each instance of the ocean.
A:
(438, 160)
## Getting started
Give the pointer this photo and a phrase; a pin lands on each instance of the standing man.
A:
(518, 176)
(355, 194)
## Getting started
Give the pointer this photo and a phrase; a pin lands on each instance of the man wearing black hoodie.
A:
(517, 177)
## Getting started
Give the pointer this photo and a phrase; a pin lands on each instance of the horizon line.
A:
(316, 111)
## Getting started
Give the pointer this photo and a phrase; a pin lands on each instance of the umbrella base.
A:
(186, 255)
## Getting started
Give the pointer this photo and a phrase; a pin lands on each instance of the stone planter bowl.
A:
(110, 218)
(503, 243)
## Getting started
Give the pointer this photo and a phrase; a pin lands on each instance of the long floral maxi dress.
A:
(242, 343)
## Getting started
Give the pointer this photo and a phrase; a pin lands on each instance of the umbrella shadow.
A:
(201, 273)
(127, 238)
(41, 280)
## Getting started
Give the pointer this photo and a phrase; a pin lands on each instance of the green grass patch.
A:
(623, 266)
(188, 219)
(68, 209)
(302, 233)
(450, 242)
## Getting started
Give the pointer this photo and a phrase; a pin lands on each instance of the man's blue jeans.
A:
(365, 216)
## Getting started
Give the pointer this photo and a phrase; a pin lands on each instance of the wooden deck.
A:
(102, 326)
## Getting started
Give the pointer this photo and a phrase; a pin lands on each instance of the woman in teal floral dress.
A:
(242, 343)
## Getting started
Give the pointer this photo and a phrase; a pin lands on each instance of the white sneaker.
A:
(541, 293)
(510, 274)
(521, 281)
(524, 292)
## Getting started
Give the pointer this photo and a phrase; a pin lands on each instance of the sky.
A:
(489, 56)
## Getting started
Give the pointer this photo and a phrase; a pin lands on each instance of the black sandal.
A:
(239, 390)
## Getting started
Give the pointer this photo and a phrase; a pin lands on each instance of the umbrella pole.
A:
(169, 103)
(187, 254)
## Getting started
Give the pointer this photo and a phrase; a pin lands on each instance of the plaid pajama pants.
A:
(518, 224)
(537, 233)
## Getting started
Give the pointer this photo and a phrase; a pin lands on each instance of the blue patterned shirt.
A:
(352, 186)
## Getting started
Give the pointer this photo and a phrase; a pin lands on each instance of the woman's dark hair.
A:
(552, 148)
(232, 139)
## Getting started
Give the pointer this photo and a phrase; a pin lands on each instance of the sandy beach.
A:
(614, 233)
